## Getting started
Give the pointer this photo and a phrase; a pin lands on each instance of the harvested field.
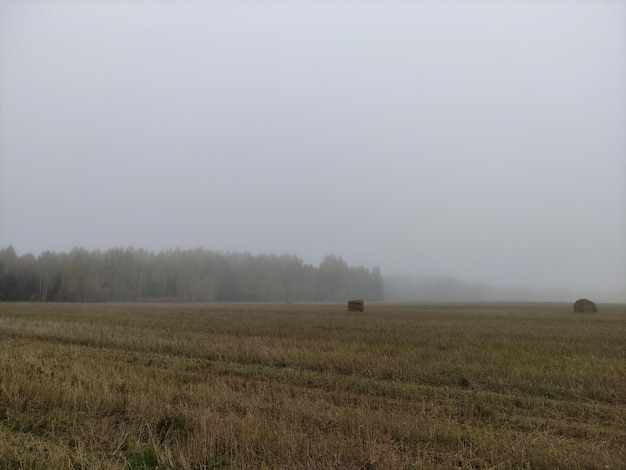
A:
(199, 386)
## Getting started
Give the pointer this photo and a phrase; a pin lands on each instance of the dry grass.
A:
(199, 386)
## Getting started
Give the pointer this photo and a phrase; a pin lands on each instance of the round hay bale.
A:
(585, 306)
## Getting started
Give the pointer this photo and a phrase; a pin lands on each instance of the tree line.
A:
(198, 275)
(406, 288)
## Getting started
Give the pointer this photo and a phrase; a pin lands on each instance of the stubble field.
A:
(311, 386)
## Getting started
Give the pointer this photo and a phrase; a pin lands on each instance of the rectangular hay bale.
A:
(356, 306)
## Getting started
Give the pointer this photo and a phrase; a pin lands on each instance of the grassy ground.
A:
(199, 386)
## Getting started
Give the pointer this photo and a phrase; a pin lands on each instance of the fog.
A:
(480, 140)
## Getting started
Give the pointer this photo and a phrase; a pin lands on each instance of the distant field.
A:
(311, 386)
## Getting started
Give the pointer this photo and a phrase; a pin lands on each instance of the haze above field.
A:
(481, 140)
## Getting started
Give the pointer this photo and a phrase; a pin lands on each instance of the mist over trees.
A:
(195, 275)
(406, 288)
(200, 275)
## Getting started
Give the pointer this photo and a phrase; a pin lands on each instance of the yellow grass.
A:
(199, 386)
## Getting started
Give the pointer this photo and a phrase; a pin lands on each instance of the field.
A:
(311, 386)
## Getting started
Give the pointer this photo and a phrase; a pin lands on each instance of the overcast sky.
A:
(484, 140)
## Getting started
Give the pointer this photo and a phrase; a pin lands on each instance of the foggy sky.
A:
(484, 140)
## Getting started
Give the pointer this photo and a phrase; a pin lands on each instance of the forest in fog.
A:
(201, 275)
(128, 274)
(406, 288)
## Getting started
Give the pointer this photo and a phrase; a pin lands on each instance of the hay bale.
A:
(356, 306)
(585, 306)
